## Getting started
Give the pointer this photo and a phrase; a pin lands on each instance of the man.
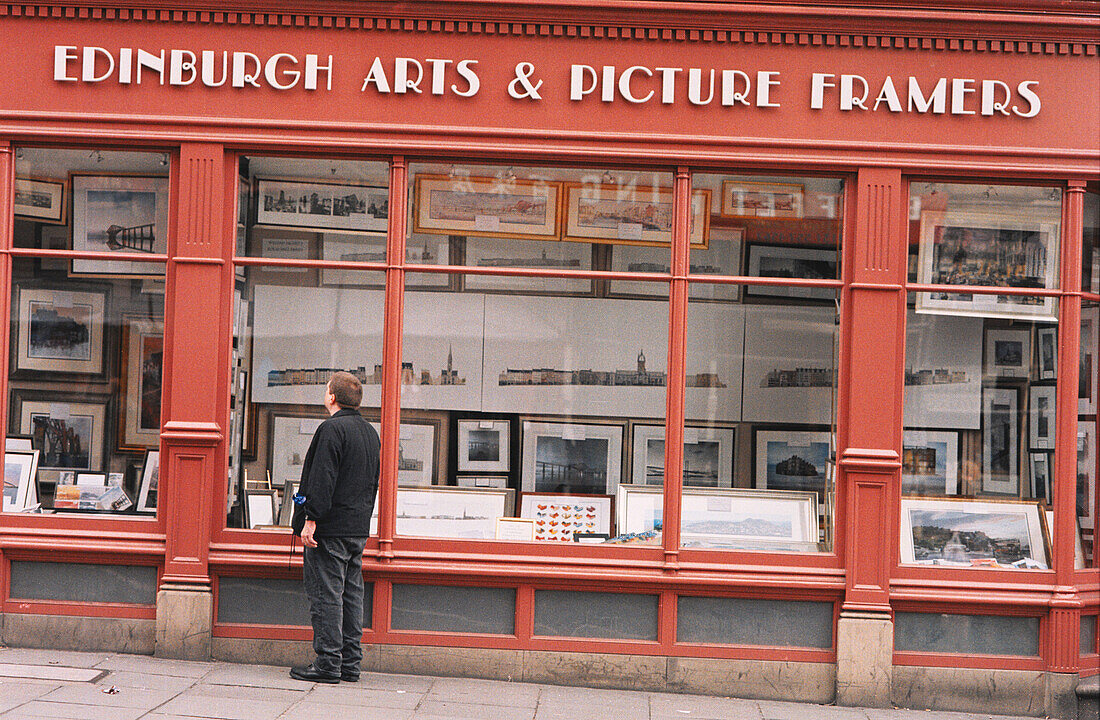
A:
(332, 514)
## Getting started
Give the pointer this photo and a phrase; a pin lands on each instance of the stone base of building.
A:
(75, 632)
(184, 617)
(864, 650)
(1003, 692)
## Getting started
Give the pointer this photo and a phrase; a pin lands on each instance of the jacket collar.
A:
(345, 411)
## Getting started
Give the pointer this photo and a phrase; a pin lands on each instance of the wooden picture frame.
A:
(960, 248)
(708, 455)
(486, 206)
(40, 199)
(483, 446)
(69, 431)
(515, 530)
(1007, 353)
(259, 508)
(20, 479)
(119, 213)
(571, 456)
(1046, 349)
(61, 332)
(973, 533)
(631, 215)
(794, 460)
(141, 373)
(796, 262)
(149, 487)
(558, 516)
(930, 462)
(321, 204)
(748, 199)
(1000, 441)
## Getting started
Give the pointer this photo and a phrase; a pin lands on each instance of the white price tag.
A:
(485, 425)
(488, 223)
(630, 231)
(719, 504)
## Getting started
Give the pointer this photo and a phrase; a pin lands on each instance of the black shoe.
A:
(349, 676)
(309, 673)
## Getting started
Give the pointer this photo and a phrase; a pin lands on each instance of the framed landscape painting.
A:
(794, 459)
(972, 533)
(743, 199)
(492, 207)
(61, 331)
(119, 214)
(629, 214)
(40, 200)
(708, 456)
(322, 205)
(575, 458)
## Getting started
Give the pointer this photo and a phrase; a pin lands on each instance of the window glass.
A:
(294, 326)
(1088, 459)
(87, 334)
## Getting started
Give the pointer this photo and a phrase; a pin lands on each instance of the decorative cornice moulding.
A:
(932, 28)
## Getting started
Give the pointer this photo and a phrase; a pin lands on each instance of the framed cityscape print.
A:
(39, 199)
(781, 261)
(483, 446)
(573, 458)
(119, 214)
(794, 459)
(1087, 380)
(450, 512)
(1000, 441)
(558, 517)
(629, 214)
(721, 256)
(149, 486)
(930, 462)
(1041, 423)
(487, 206)
(708, 455)
(289, 438)
(68, 431)
(371, 248)
(1041, 465)
(61, 331)
(1007, 353)
(141, 367)
(1046, 341)
(970, 533)
(976, 249)
(20, 477)
(743, 199)
(943, 371)
(499, 252)
(320, 204)
(421, 443)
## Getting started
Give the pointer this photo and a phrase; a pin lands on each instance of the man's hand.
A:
(308, 529)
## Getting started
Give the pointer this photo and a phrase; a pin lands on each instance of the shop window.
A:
(294, 325)
(981, 378)
(1088, 420)
(87, 333)
(1089, 625)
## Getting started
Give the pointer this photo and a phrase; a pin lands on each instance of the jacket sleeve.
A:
(322, 474)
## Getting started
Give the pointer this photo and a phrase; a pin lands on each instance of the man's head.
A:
(343, 391)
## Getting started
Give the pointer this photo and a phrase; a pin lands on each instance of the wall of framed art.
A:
(684, 354)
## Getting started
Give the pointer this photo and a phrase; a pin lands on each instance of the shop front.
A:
(746, 350)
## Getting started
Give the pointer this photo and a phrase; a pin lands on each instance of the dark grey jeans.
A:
(333, 578)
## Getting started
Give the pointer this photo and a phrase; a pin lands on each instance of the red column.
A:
(870, 414)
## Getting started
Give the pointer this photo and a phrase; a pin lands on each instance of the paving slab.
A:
(473, 711)
(308, 710)
(156, 666)
(145, 681)
(246, 693)
(486, 692)
(667, 706)
(95, 695)
(266, 676)
(221, 708)
(386, 681)
(41, 710)
(64, 658)
(801, 711)
(14, 693)
(348, 695)
(60, 673)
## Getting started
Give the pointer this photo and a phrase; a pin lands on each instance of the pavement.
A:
(61, 685)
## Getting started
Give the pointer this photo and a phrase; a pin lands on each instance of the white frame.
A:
(533, 430)
(1078, 545)
(1090, 326)
(639, 505)
(1048, 367)
(1001, 484)
(422, 437)
(1044, 441)
(641, 434)
(793, 437)
(319, 221)
(26, 491)
(81, 185)
(540, 508)
(923, 438)
(989, 306)
(1020, 369)
(1029, 510)
(456, 500)
(268, 513)
(503, 428)
(150, 468)
(1086, 467)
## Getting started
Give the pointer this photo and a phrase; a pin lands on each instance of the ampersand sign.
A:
(524, 70)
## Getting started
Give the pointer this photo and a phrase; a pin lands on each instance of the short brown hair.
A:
(346, 388)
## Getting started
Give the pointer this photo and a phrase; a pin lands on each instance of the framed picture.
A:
(1086, 473)
(515, 530)
(483, 445)
(796, 460)
(286, 503)
(494, 252)
(1078, 546)
(726, 518)
(259, 508)
(20, 476)
(721, 256)
(780, 261)
(67, 430)
(708, 455)
(61, 331)
(1041, 466)
(142, 367)
(978, 249)
(450, 512)
(573, 458)
(371, 248)
(557, 516)
(1008, 353)
(1042, 420)
(629, 214)
(1000, 441)
(419, 452)
(150, 483)
(39, 199)
(119, 214)
(1087, 380)
(244, 188)
(970, 533)
(764, 200)
(288, 440)
(930, 462)
(943, 371)
(1046, 340)
(322, 204)
(486, 206)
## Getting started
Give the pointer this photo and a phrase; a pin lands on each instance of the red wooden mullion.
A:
(7, 229)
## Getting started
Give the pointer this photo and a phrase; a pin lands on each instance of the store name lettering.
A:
(635, 85)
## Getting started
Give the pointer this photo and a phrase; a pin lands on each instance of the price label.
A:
(489, 223)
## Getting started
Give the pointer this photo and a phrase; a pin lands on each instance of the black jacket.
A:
(339, 477)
